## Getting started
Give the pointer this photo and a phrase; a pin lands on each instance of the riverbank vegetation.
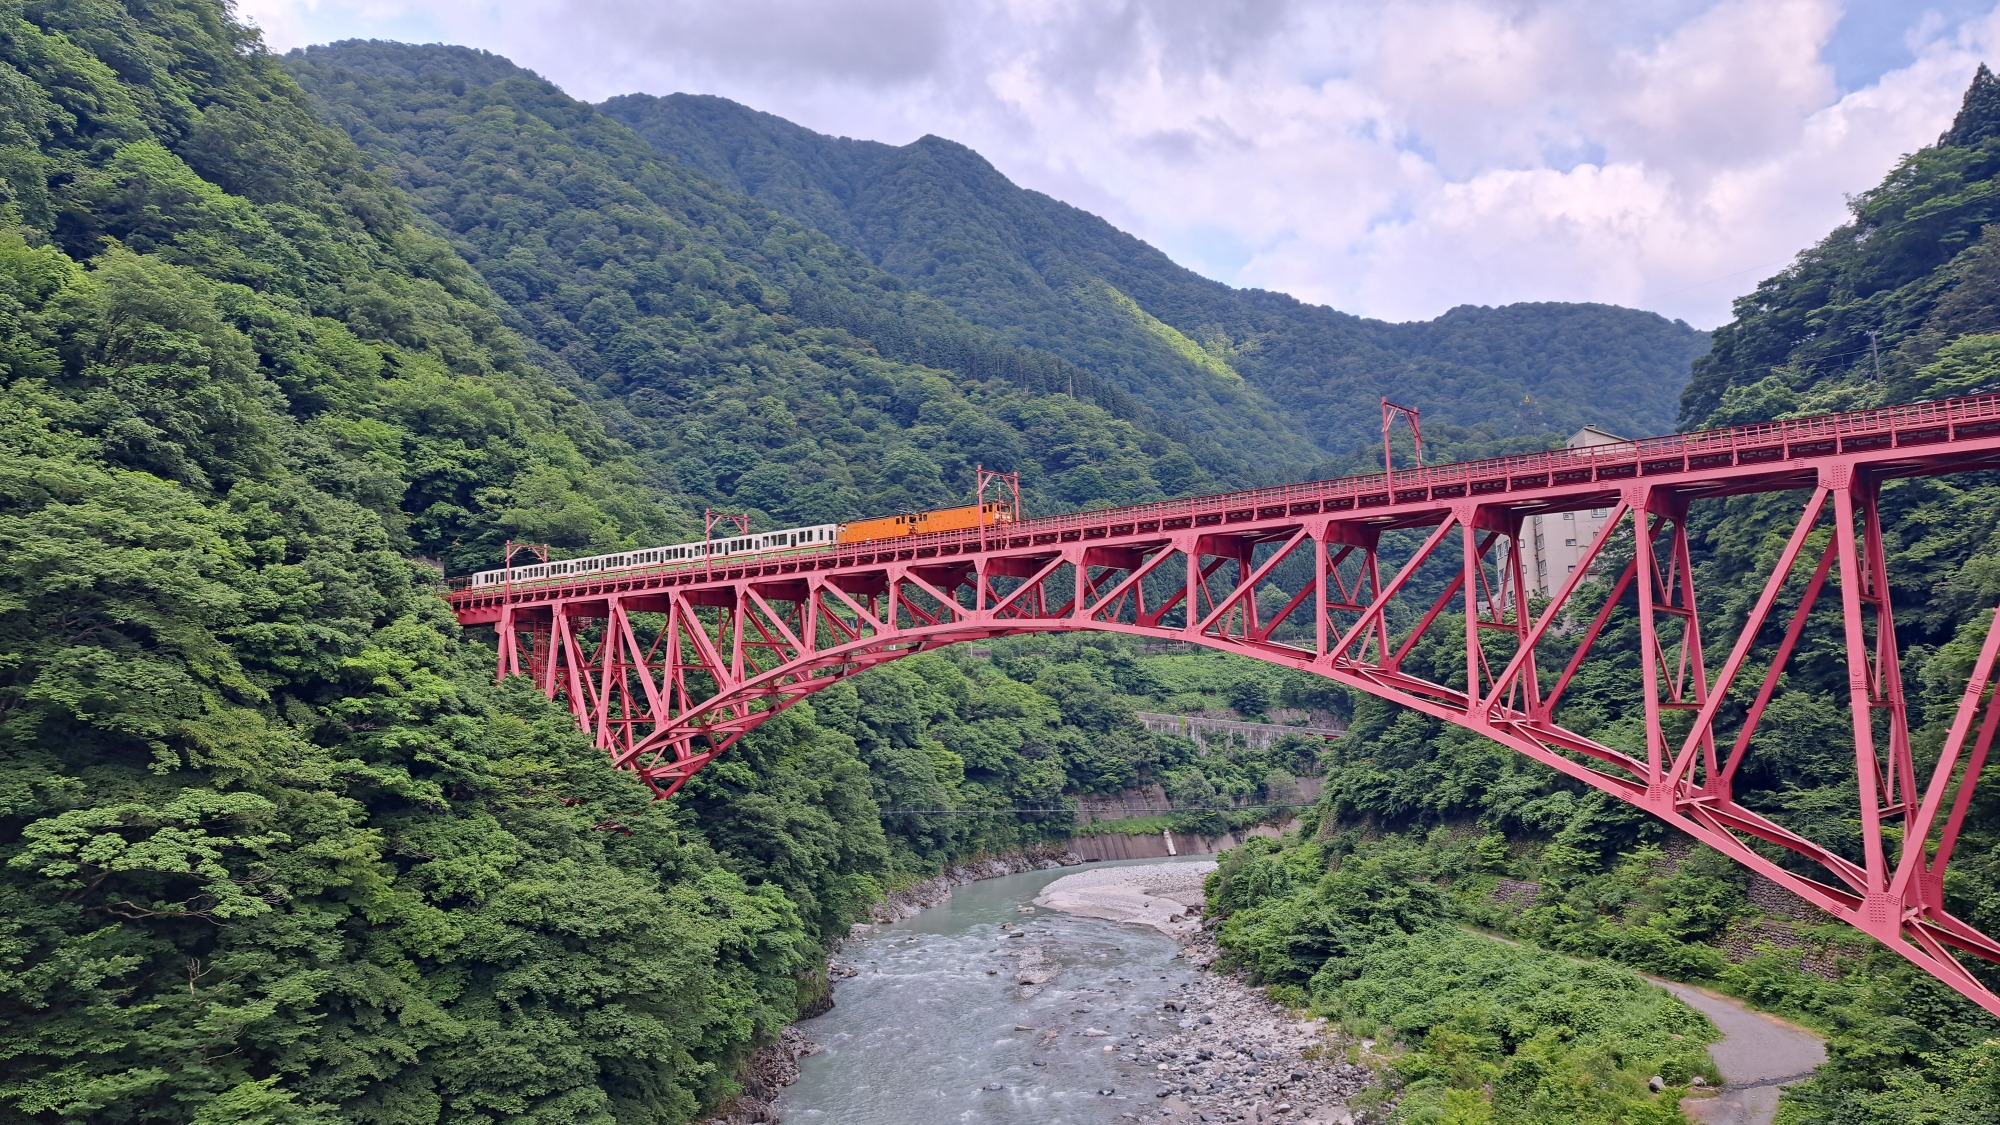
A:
(1466, 1028)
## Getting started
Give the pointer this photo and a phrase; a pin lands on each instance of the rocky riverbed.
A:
(1012, 1002)
(1223, 1051)
(775, 1066)
(984, 1006)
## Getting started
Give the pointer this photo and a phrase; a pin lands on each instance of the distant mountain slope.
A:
(757, 363)
(938, 216)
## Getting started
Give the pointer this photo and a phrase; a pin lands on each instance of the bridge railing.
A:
(1592, 459)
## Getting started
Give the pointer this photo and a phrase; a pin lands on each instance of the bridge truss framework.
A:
(668, 668)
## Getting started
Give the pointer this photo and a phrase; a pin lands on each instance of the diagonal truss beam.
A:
(668, 679)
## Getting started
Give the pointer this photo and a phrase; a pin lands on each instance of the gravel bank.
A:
(1164, 896)
(1224, 1051)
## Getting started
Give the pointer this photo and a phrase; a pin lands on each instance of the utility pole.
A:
(1390, 411)
(1875, 353)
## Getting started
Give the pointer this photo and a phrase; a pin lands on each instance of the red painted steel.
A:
(668, 667)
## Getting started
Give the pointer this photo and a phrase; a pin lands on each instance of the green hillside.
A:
(1411, 801)
(731, 340)
(1916, 274)
(273, 846)
(939, 217)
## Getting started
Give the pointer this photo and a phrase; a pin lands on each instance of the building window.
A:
(1599, 513)
(1569, 542)
(1569, 515)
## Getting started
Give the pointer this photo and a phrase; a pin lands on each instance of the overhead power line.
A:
(1163, 812)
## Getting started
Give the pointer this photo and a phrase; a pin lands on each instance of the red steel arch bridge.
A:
(668, 667)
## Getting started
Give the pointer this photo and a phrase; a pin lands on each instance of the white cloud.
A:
(1392, 159)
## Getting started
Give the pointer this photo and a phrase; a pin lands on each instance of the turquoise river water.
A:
(926, 1032)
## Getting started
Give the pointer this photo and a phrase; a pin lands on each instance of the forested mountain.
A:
(939, 217)
(756, 363)
(274, 848)
(1900, 305)
(1912, 283)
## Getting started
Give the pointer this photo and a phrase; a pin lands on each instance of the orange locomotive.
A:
(923, 523)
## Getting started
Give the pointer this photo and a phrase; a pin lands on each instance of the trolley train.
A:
(816, 537)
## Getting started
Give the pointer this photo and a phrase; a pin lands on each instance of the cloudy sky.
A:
(1390, 159)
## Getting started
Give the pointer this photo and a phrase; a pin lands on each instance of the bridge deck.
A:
(1950, 435)
(668, 667)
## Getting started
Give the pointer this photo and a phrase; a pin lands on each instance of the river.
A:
(990, 1009)
(926, 1031)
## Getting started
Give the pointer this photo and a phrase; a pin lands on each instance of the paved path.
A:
(1757, 1054)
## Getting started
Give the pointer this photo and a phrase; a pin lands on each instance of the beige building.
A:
(1558, 539)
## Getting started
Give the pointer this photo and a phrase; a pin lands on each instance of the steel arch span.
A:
(668, 667)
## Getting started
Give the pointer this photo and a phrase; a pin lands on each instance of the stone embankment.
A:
(908, 901)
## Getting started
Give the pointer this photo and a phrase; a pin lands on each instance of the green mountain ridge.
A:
(945, 221)
(757, 365)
